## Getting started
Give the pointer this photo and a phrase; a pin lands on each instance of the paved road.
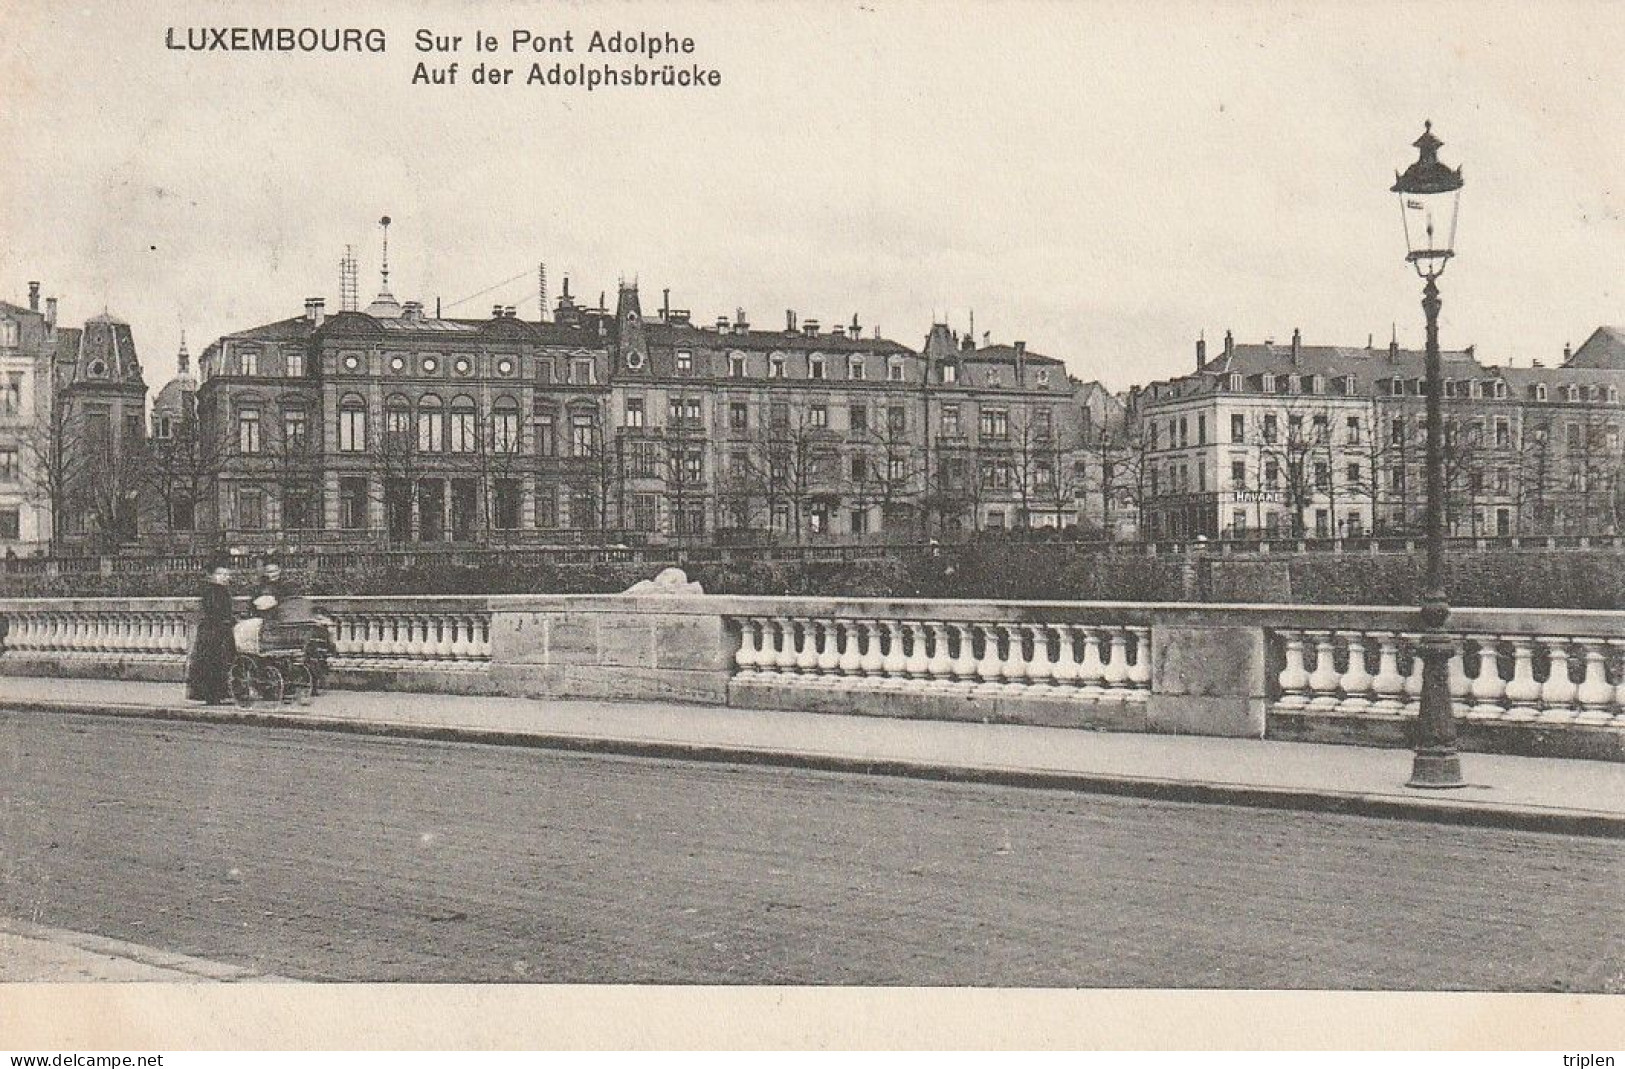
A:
(329, 857)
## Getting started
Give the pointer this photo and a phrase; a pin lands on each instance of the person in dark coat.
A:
(209, 671)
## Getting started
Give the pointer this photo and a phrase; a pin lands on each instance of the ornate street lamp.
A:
(1429, 195)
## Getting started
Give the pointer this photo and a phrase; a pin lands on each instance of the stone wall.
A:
(1548, 681)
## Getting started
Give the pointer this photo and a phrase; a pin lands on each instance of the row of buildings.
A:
(388, 424)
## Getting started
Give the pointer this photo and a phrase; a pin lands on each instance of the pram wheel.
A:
(241, 681)
(272, 685)
(299, 686)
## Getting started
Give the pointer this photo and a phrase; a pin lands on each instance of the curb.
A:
(200, 969)
(1587, 823)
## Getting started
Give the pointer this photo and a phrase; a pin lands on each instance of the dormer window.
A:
(1268, 383)
(1540, 391)
(894, 370)
(815, 366)
(855, 368)
(1043, 376)
(736, 365)
(950, 373)
(1572, 393)
(1613, 395)
(1500, 389)
(685, 362)
(1317, 384)
(249, 360)
(992, 376)
(1235, 383)
(775, 366)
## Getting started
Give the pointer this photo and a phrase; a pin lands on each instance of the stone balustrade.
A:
(971, 658)
(155, 633)
(1508, 677)
(1542, 681)
(418, 640)
(148, 638)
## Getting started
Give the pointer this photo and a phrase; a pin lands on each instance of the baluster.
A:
(827, 653)
(1460, 685)
(990, 666)
(1114, 674)
(749, 654)
(1522, 690)
(1065, 671)
(1324, 679)
(460, 640)
(806, 650)
(1594, 694)
(873, 662)
(940, 668)
(965, 665)
(1294, 677)
(482, 636)
(1557, 693)
(1139, 670)
(1617, 647)
(895, 665)
(1013, 665)
(1040, 666)
(1356, 681)
(1388, 684)
(1092, 670)
(784, 658)
(1488, 688)
(850, 665)
(918, 664)
(1413, 681)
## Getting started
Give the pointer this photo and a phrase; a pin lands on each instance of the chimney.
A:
(412, 311)
(665, 304)
(50, 311)
(1568, 352)
(810, 328)
(318, 310)
(1393, 350)
(789, 320)
(496, 311)
(1201, 353)
(33, 296)
(1229, 344)
(967, 344)
(1536, 363)
(839, 332)
(856, 331)
(1297, 346)
(508, 310)
(722, 324)
(741, 321)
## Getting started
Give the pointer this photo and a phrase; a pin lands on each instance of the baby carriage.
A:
(281, 656)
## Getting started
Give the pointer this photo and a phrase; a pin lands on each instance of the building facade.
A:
(388, 424)
(27, 357)
(1326, 442)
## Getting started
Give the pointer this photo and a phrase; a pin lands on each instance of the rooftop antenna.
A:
(973, 322)
(541, 291)
(384, 222)
(347, 281)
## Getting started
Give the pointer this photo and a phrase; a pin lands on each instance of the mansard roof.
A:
(1604, 349)
(678, 334)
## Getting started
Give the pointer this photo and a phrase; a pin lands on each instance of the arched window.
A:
(505, 425)
(398, 422)
(465, 436)
(431, 424)
(352, 424)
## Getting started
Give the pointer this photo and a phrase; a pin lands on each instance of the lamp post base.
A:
(1436, 770)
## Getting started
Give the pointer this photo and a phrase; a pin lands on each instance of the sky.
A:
(1105, 181)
